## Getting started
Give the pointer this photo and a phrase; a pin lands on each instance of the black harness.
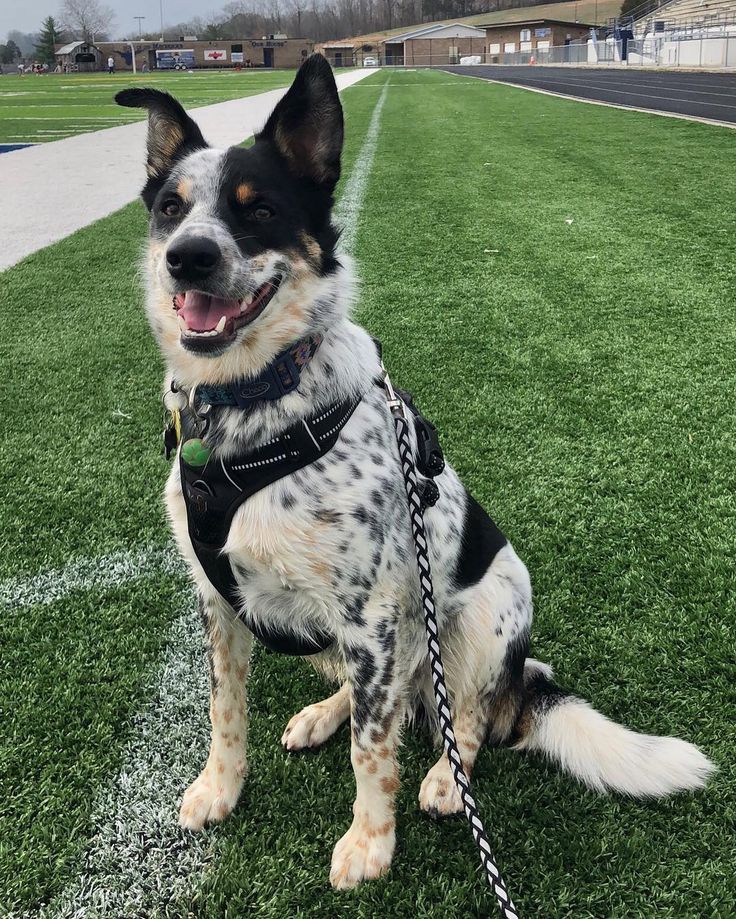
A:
(214, 492)
(214, 489)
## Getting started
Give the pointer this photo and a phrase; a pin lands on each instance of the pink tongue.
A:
(202, 312)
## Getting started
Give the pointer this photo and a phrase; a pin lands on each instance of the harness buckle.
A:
(430, 459)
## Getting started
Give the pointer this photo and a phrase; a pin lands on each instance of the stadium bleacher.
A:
(688, 15)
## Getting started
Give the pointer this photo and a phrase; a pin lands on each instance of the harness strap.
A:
(214, 492)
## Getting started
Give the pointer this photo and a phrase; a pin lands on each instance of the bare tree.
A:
(87, 19)
(297, 8)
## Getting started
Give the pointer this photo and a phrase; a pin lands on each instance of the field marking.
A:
(348, 208)
(102, 573)
(646, 95)
(623, 108)
(139, 860)
(104, 169)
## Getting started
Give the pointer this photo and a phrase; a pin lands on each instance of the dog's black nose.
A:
(192, 258)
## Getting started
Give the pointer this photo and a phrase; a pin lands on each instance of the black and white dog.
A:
(241, 265)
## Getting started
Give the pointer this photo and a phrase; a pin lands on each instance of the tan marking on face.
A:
(184, 189)
(244, 193)
(312, 248)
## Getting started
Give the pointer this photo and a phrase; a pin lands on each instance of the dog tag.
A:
(195, 452)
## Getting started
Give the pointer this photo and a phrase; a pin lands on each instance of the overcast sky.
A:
(29, 14)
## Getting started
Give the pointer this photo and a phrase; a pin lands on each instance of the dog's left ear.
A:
(171, 132)
(306, 127)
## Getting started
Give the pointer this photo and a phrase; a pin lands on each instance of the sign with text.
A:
(215, 54)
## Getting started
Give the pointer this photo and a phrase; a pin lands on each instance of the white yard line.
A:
(101, 574)
(348, 208)
(139, 861)
(68, 184)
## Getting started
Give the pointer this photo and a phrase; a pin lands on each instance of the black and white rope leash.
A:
(498, 886)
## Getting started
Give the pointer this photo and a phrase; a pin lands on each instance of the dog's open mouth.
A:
(207, 322)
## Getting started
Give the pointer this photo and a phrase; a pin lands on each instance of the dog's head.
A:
(241, 246)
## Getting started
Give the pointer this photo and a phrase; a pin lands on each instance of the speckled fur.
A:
(329, 547)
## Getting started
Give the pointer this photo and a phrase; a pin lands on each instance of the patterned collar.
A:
(277, 379)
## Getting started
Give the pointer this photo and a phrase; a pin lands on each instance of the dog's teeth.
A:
(220, 327)
(247, 300)
(182, 325)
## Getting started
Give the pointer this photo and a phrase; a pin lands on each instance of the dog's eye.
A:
(171, 207)
(262, 212)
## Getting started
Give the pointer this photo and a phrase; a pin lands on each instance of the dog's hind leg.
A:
(438, 795)
(484, 667)
(316, 723)
(213, 795)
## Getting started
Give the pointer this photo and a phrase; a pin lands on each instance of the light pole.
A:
(140, 30)
(161, 10)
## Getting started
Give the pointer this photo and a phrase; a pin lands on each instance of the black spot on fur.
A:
(481, 542)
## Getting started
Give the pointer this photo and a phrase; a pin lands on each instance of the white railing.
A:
(656, 50)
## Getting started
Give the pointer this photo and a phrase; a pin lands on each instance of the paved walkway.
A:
(51, 190)
(702, 96)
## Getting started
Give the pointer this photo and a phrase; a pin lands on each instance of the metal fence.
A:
(707, 51)
(599, 53)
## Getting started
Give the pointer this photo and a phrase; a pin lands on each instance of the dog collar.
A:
(276, 380)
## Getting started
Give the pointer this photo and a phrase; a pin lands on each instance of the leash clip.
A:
(395, 402)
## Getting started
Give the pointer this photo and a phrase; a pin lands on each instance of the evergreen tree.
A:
(10, 53)
(48, 37)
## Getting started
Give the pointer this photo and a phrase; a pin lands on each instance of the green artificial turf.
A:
(554, 281)
(41, 109)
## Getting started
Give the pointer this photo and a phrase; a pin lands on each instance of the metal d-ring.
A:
(195, 409)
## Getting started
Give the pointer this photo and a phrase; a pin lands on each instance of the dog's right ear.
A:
(171, 132)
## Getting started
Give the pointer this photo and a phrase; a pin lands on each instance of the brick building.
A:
(531, 35)
(437, 44)
(277, 52)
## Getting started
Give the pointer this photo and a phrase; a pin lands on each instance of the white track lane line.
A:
(623, 108)
(81, 179)
(139, 861)
(622, 92)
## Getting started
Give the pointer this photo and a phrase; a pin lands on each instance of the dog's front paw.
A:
(363, 853)
(438, 795)
(210, 798)
(311, 727)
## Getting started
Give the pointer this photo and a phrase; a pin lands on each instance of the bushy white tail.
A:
(604, 755)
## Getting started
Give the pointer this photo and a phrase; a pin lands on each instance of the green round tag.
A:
(195, 452)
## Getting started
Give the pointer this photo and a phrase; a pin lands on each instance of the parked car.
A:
(370, 62)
